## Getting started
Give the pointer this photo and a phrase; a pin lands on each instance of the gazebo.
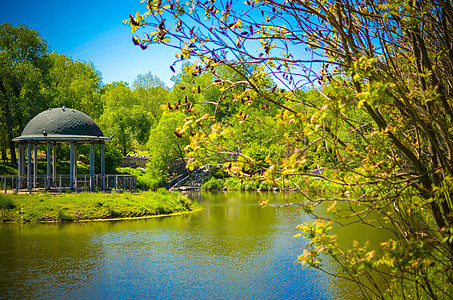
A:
(59, 125)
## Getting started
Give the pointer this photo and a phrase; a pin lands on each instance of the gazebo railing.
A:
(62, 183)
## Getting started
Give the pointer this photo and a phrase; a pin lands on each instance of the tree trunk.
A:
(12, 149)
(4, 154)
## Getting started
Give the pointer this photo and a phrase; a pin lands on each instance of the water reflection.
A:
(232, 249)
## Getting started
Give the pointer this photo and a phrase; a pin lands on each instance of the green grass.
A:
(213, 184)
(46, 207)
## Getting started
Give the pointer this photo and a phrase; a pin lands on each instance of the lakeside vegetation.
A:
(80, 207)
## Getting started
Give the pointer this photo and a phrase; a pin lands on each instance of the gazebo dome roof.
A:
(61, 125)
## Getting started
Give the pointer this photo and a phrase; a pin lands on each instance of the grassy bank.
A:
(48, 207)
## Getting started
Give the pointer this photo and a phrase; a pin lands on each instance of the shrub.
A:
(213, 184)
(233, 183)
(150, 180)
(250, 186)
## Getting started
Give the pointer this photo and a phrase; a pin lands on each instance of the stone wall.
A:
(134, 161)
(192, 180)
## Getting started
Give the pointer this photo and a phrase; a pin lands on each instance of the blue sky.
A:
(92, 31)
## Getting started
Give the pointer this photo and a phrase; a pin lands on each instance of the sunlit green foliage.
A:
(151, 94)
(124, 117)
(82, 207)
(24, 64)
(164, 146)
(74, 84)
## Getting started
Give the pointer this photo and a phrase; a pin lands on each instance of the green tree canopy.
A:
(124, 117)
(75, 84)
(163, 145)
(151, 93)
(147, 81)
(24, 63)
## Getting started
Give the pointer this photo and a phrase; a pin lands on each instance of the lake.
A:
(233, 248)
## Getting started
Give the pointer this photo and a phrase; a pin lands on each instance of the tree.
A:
(147, 81)
(74, 84)
(151, 93)
(208, 94)
(123, 117)
(392, 61)
(163, 145)
(24, 64)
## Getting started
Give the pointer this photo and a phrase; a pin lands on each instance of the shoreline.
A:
(109, 219)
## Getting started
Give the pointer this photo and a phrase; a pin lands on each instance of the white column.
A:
(29, 166)
(103, 166)
(21, 164)
(54, 164)
(35, 164)
(71, 166)
(92, 165)
(48, 155)
(75, 166)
